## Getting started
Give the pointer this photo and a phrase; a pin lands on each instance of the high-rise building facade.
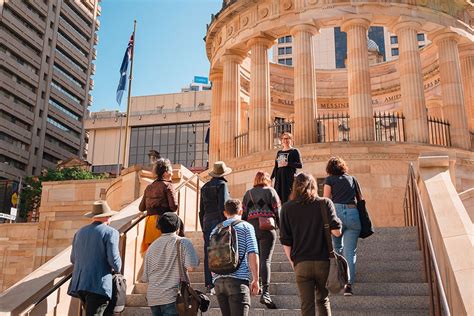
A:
(46, 54)
(331, 45)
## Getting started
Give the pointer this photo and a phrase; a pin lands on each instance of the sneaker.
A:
(348, 290)
(213, 291)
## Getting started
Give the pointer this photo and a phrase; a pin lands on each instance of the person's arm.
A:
(327, 191)
(276, 206)
(113, 253)
(275, 168)
(191, 258)
(73, 250)
(287, 250)
(245, 210)
(222, 196)
(335, 223)
(253, 265)
(251, 248)
(142, 206)
(294, 159)
(286, 237)
(144, 277)
(172, 198)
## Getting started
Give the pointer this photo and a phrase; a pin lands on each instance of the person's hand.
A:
(254, 287)
(292, 265)
(282, 164)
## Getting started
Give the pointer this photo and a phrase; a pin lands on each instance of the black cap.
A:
(168, 222)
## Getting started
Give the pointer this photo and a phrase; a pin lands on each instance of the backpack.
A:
(223, 250)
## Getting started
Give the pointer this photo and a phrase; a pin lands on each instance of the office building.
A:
(46, 55)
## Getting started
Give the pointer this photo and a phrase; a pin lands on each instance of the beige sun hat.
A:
(100, 209)
(220, 170)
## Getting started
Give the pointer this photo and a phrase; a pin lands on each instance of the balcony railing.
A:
(439, 132)
(389, 127)
(333, 128)
(242, 144)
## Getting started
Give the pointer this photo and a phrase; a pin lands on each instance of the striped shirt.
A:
(161, 269)
(247, 243)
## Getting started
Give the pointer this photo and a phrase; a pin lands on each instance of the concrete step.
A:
(362, 246)
(381, 233)
(368, 277)
(363, 256)
(356, 302)
(145, 311)
(364, 289)
(366, 265)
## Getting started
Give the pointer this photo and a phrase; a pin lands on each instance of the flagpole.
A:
(129, 99)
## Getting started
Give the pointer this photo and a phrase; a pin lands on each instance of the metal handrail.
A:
(122, 246)
(414, 216)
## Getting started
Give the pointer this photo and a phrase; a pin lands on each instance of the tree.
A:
(30, 197)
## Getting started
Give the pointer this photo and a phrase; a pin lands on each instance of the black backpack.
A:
(223, 250)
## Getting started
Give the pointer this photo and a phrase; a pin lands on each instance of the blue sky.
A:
(169, 48)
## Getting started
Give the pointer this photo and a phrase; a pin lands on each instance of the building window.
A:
(181, 143)
(285, 61)
(393, 39)
(288, 39)
(288, 50)
(340, 42)
(420, 37)
(64, 109)
(281, 51)
(281, 40)
(394, 51)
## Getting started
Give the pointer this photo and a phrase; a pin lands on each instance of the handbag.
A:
(264, 223)
(338, 268)
(365, 223)
(189, 300)
(119, 295)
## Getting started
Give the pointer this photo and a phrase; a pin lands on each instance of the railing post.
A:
(198, 192)
(123, 249)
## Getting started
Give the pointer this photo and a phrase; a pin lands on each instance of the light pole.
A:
(121, 116)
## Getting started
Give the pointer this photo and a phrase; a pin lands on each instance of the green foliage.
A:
(30, 197)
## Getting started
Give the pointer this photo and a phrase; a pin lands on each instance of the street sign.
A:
(8, 216)
(203, 80)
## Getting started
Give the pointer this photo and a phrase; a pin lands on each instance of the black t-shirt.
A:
(301, 228)
(342, 188)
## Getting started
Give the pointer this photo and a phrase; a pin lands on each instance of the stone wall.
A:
(380, 168)
(17, 248)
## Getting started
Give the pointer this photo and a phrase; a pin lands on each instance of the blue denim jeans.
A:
(347, 243)
(164, 310)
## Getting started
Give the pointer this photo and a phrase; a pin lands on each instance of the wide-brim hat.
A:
(100, 209)
(220, 170)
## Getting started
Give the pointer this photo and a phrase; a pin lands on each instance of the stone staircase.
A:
(390, 280)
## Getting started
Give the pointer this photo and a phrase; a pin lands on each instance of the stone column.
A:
(360, 91)
(466, 53)
(304, 84)
(451, 88)
(230, 106)
(411, 82)
(259, 112)
(215, 127)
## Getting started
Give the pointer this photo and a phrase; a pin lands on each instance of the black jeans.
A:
(233, 296)
(266, 244)
(209, 225)
(311, 275)
(94, 304)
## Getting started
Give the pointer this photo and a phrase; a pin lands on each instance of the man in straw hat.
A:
(214, 194)
(95, 254)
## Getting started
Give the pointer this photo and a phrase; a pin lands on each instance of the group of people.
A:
(291, 206)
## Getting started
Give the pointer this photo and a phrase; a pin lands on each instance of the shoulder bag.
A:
(264, 223)
(365, 223)
(338, 269)
(188, 301)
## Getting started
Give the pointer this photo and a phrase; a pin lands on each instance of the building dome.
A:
(372, 46)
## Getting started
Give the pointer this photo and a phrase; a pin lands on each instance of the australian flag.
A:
(124, 70)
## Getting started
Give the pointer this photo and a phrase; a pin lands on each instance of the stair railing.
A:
(34, 300)
(415, 216)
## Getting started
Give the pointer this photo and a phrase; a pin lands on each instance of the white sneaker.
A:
(213, 291)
